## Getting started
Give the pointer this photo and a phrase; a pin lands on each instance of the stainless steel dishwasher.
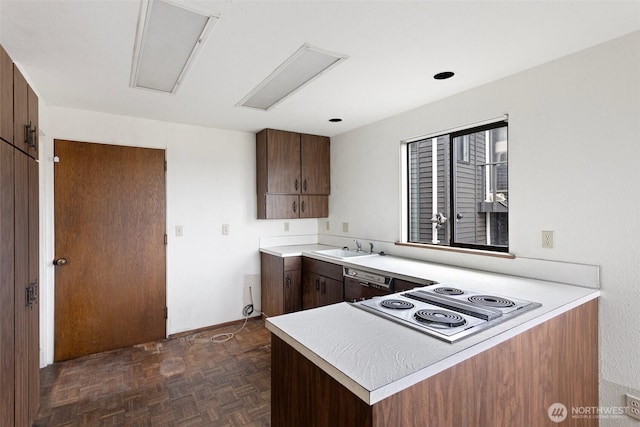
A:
(361, 285)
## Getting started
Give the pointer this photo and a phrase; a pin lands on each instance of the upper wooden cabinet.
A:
(25, 115)
(6, 96)
(293, 176)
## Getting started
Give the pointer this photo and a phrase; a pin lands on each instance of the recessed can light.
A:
(335, 120)
(444, 75)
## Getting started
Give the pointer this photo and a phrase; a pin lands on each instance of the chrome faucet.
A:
(358, 245)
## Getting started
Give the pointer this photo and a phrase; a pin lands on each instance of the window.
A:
(458, 189)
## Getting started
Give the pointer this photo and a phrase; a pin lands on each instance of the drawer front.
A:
(326, 269)
(292, 263)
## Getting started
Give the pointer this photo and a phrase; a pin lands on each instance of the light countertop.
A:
(375, 358)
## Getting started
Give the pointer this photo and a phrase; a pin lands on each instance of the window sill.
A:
(457, 250)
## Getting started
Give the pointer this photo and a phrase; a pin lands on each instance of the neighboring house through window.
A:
(458, 189)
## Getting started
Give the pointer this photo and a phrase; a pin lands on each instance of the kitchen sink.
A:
(342, 253)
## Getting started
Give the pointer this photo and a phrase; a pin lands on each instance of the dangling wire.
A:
(246, 312)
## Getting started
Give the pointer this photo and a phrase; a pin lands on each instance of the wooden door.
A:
(20, 110)
(314, 206)
(282, 206)
(7, 287)
(33, 310)
(6, 96)
(32, 121)
(283, 162)
(315, 160)
(331, 291)
(310, 290)
(292, 291)
(110, 228)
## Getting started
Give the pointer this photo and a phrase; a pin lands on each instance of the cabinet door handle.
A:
(27, 134)
(302, 206)
(294, 205)
(317, 285)
(288, 281)
(27, 296)
(304, 185)
(323, 287)
(32, 138)
(296, 184)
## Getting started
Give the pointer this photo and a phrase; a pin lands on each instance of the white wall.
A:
(574, 168)
(210, 181)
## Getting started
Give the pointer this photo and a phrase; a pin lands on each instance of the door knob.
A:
(60, 261)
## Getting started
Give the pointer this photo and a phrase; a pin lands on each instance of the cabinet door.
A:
(33, 312)
(6, 96)
(271, 270)
(283, 162)
(32, 121)
(7, 286)
(315, 160)
(21, 325)
(331, 291)
(282, 206)
(310, 290)
(20, 111)
(314, 206)
(292, 291)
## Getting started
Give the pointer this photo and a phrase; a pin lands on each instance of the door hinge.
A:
(166, 239)
(166, 313)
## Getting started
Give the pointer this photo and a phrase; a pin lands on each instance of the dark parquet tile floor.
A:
(186, 381)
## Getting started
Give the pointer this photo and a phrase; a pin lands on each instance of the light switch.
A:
(225, 229)
(179, 231)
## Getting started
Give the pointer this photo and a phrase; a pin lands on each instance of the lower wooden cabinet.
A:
(281, 284)
(321, 283)
(19, 329)
(319, 290)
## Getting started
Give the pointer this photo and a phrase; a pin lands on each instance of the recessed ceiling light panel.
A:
(168, 39)
(305, 65)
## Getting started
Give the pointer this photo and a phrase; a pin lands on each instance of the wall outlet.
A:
(345, 227)
(327, 225)
(633, 406)
(225, 229)
(547, 239)
(286, 226)
(179, 231)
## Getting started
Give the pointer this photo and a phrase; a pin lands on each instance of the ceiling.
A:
(78, 54)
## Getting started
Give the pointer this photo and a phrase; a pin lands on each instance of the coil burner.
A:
(491, 301)
(439, 318)
(448, 291)
(397, 304)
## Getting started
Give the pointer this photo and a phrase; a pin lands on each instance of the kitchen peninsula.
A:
(338, 365)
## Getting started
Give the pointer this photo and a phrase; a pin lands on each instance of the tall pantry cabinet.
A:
(19, 281)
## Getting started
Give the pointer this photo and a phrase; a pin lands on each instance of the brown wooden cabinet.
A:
(25, 115)
(281, 289)
(19, 266)
(292, 175)
(321, 283)
(6, 96)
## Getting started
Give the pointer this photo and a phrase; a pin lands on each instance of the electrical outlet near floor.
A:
(633, 406)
